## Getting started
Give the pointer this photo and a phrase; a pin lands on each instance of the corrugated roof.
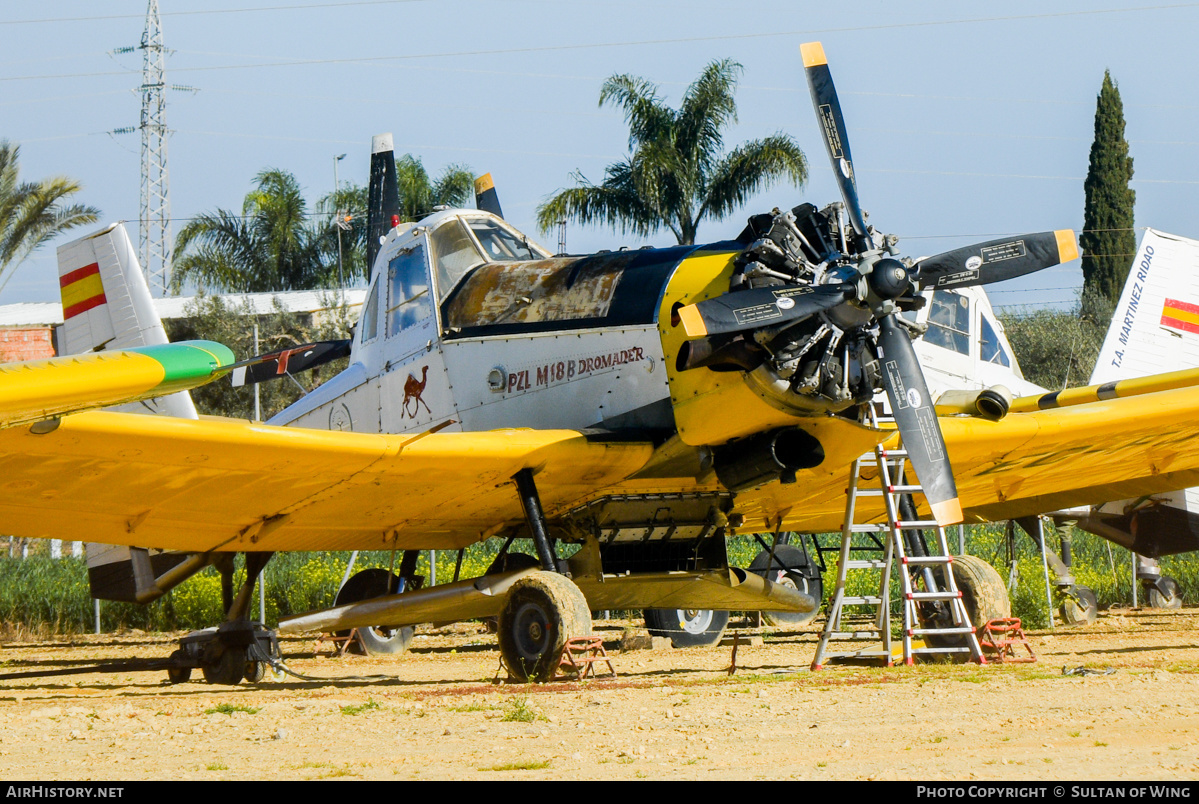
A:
(45, 314)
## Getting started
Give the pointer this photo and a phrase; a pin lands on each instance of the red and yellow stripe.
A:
(1180, 315)
(82, 290)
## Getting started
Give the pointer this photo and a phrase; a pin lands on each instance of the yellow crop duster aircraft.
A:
(640, 405)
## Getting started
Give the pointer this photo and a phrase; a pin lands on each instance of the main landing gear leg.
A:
(238, 648)
(543, 609)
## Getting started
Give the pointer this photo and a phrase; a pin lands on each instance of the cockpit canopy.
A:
(459, 240)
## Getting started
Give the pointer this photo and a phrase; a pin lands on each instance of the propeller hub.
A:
(889, 279)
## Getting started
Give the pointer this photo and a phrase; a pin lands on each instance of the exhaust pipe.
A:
(990, 403)
(775, 455)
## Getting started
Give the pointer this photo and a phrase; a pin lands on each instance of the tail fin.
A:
(106, 305)
(486, 198)
(383, 198)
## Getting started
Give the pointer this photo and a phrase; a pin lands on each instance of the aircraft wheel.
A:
(375, 640)
(1170, 599)
(1080, 607)
(255, 671)
(507, 562)
(542, 612)
(228, 667)
(799, 574)
(179, 675)
(983, 594)
(688, 628)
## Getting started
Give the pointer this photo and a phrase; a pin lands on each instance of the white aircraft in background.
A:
(1154, 329)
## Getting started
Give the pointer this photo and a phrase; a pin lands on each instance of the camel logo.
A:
(413, 388)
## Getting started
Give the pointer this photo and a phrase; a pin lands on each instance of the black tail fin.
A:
(486, 197)
(383, 199)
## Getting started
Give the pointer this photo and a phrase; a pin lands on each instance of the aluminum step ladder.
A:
(892, 488)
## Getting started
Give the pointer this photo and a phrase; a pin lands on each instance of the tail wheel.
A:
(179, 674)
(375, 640)
(983, 594)
(1081, 606)
(1165, 594)
(542, 612)
(793, 569)
(688, 628)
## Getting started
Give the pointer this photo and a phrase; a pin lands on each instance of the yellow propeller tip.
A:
(947, 512)
(692, 321)
(813, 54)
(1067, 247)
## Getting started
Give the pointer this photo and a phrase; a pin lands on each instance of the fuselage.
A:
(467, 321)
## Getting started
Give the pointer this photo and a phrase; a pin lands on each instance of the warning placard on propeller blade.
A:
(759, 312)
(1004, 251)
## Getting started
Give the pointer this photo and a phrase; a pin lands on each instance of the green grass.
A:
(217, 766)
(358, 709)
(532, 764)
(229, 709)
(519, 711)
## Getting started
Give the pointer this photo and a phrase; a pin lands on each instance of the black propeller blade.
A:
(486, 198)
(917, 420)
(751, 309)
(836, 141)
(383, 196)
(996, 260)
(293, 360)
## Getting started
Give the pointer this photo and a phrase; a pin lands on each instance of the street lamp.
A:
(337, 221)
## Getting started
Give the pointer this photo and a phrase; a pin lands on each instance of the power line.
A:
(584, 46)
(210, 11)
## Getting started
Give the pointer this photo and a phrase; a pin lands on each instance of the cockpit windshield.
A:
(502, 245)
(455, 252)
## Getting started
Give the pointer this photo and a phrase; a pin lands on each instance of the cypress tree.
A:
(1108, 240)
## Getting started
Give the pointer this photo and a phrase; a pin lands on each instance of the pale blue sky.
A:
(967, 121)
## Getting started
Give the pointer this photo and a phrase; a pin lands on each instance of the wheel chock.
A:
(999, 636)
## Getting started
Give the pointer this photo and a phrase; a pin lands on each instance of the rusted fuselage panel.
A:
(600, 290)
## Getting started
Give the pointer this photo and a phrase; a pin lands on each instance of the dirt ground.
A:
(436, 714)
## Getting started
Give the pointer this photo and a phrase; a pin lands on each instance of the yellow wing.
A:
(228, 485)
(218, 484)
(1030, 463)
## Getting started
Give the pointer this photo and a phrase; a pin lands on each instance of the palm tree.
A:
(677, 173)
(31, 213)
(270, 246)
(418, 197)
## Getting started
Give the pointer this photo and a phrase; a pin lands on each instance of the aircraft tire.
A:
(1081, 606)
(255, 671)
(799, 574)
(1171, 599)
(983, 594)
(542, 612)
(374, 640)
(687, 628)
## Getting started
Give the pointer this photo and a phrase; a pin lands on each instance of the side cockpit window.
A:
(368, 326)
(408, 301)
(991, 348)
(949, 322)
